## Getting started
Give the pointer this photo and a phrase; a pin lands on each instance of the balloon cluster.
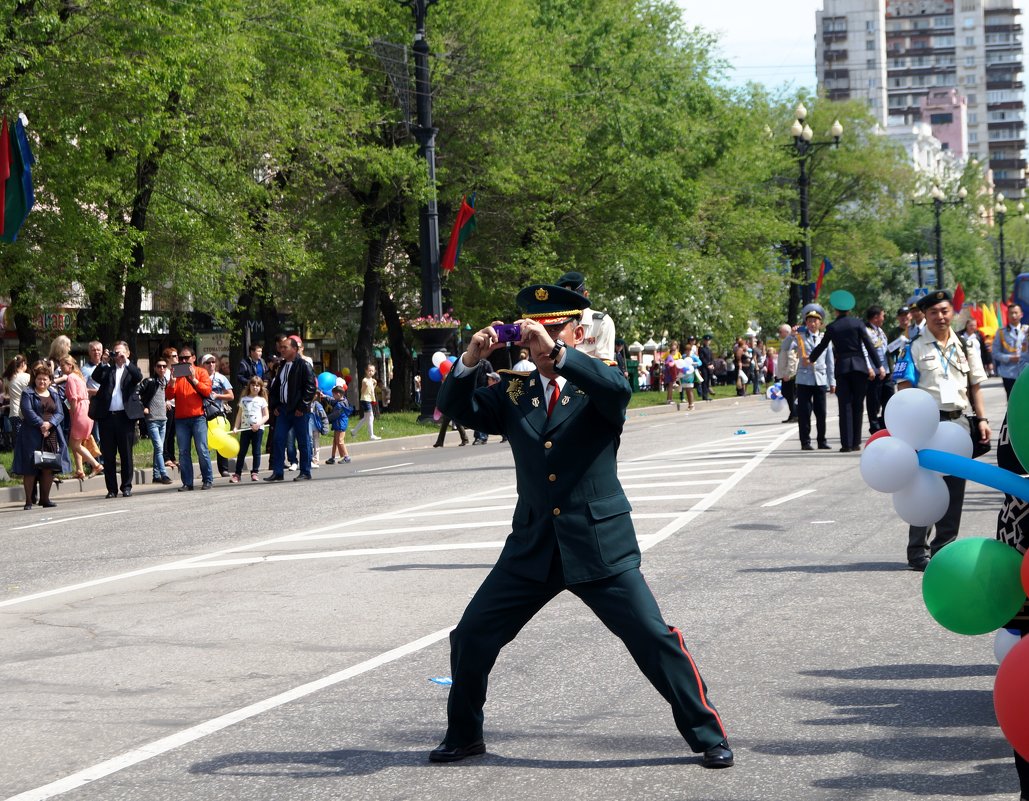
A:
(441, 366)
(971, 586)
(329, 381)
(219, 439)
(774, 394)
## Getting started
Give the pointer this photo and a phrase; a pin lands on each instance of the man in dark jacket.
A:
(289, 400)
(117, 408)
(251, 366)
(852, 368)
(571, 527)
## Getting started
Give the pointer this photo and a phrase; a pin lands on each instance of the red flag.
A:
(1001, 310)
(959, 298)
(977, 315)
(5, 168)
(464, 227)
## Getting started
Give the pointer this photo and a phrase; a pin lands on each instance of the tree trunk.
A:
(402, 383)
(27, 340)
(370, 300)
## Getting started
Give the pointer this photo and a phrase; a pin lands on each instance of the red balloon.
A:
(445, 367)
(1011, 697)
(882, 432)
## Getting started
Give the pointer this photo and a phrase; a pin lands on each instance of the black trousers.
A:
(169, 437)
(851, 389)
(116, 440)
(946, 528)
(1008, 384)
(705, 386)
(879, 393)
(808, 398)
(789, 392)
(506, 602)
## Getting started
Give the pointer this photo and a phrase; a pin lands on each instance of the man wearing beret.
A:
(571, 528)
(847, 334)
(939, 363)
(598, 327)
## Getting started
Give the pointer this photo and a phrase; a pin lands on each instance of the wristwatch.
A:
(558, 345)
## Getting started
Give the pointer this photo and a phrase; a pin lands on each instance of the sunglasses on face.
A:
(186, 357)
(161, 366)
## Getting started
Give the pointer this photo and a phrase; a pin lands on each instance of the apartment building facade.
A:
(895, 54)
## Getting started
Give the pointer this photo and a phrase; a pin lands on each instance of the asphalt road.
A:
(280, 641)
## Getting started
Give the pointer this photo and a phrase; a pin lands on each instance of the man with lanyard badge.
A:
(938, 363)
(814, 379)
(1009, 347)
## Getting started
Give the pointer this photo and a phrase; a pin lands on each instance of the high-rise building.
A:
(924, 46)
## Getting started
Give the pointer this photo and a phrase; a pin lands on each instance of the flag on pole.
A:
(977, 314)
(464, 226)
(5, 167)
(823, 270)
(1001, 313)
(18, 195)
(959, 298)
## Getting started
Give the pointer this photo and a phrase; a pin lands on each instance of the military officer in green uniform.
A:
(571, 529)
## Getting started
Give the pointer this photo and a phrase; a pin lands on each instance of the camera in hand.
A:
(508, 332)
(181, 370)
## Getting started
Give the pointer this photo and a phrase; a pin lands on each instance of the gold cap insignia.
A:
(542, 294)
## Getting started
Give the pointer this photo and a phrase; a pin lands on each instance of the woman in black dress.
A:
(42, 412)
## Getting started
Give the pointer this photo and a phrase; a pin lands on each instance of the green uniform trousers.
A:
(624, 603)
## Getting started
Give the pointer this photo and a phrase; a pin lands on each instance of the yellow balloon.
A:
(226, 444)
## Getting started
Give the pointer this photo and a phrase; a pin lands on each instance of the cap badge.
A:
(542, 294)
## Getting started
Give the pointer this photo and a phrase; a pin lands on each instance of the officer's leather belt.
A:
(954, 415)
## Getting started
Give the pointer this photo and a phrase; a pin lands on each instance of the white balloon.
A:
(889, 464)
(777, 405)
(913, 416)
(923, 502)
(438, 358)
(952, 438)
(1003, 642)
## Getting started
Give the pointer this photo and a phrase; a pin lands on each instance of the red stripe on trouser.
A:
(696, 675)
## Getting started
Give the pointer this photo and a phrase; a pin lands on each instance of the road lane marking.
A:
(787, 498)
(405, 530)
(69, 519)
(179, 739)
(650, 484)
(293, 557)
(386, 467)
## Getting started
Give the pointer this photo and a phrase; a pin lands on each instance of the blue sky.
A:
(765, 41)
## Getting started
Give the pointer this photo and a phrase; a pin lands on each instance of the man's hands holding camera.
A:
(485, 341)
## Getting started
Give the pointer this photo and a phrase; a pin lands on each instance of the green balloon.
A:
(1018, 417)
(973, 586)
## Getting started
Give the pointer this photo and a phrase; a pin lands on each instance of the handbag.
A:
(978, 448)
(46, 459)
(212, 409)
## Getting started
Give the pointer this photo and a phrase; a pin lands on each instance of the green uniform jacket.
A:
(566, 466)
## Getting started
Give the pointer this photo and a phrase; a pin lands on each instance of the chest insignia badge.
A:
(514, 390)
(564, 400)
(532, 382)
(536, 402)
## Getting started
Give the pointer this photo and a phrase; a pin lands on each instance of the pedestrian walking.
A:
(76, 401)
(339, 419)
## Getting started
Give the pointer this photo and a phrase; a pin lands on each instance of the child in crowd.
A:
(318, 424)
(251, 417)
(339, 417)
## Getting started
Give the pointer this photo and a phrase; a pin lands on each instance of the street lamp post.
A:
(1001, 212)
(938, 202)
(803, 147)
(425, 135)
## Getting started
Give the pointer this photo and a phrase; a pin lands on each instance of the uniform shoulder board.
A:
(518, 373)
(610, 362)
(599, 315)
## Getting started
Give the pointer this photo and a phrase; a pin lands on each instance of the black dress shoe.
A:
(186, 488)
(919, 565)
(27, 507)
(126, 493)
(806, 447)
(111, 495)
(824, 446)
(718, 756)
(274, 477)
(790, 420)
(446, 753)
(844, 450)
(303, 477)
(48, 504)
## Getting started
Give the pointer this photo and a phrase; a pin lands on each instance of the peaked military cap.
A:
(812, 310)
(572, 280)
(551, 305)
(933, 298)
(903, 310)
(842, 300)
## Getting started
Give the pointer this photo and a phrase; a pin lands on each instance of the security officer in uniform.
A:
(939, 363)
(571, 529)
(598, 327)
(815, 378)
(1010, 345)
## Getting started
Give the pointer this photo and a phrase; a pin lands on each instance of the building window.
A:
(969, 41)
(973, 118)
(966, 23)
(973, 137)
(971, 99)
(870, 44)
(869, 25)
(870, 64)
(941, 119)
(969, 61)
(969, 80)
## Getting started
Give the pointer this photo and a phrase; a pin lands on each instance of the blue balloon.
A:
(326, 381)
(989, 475)
(451, 359)
(435, 374)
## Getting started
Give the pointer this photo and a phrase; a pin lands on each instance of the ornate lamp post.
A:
(1001, 213)
(938, 202)
(804, 145)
